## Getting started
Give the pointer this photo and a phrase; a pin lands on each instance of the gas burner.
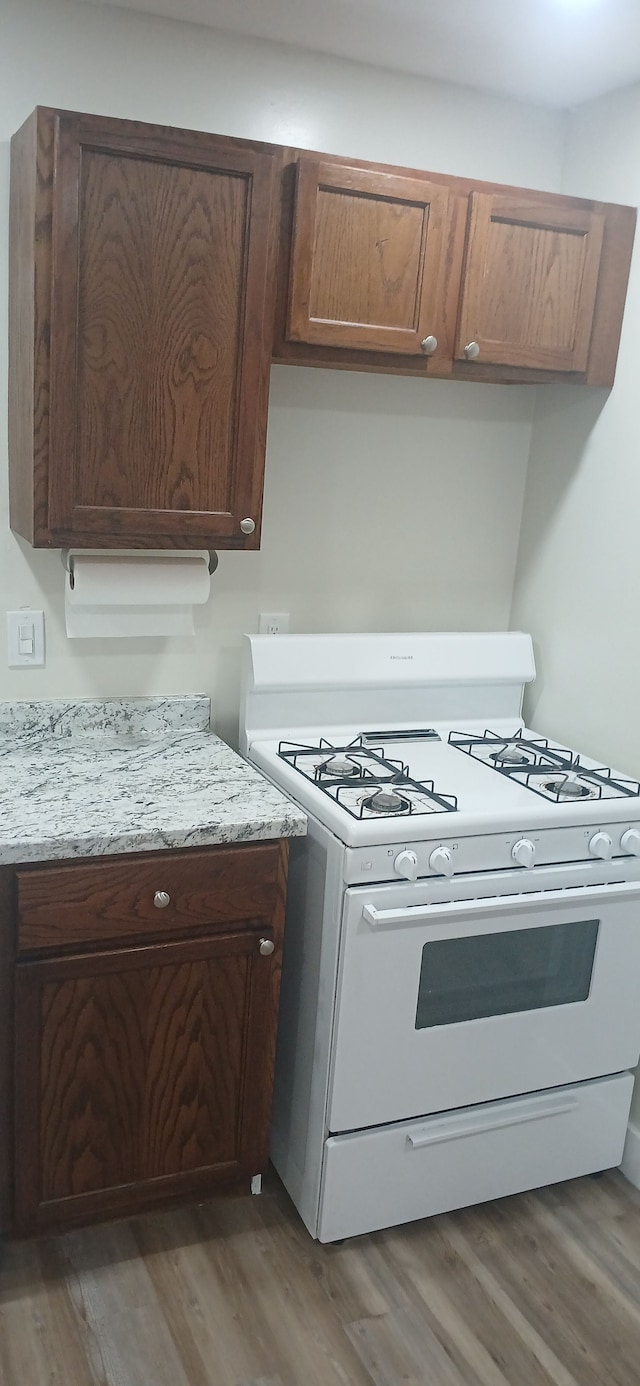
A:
(569, 787)
(340, 767)
(387, 801)
(509, 755)
(326, 763)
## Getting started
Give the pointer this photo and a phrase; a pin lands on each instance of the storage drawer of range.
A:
(488, 852)
(415, 1169)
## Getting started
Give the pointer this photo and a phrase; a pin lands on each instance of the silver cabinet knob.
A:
(266, 947)
(161, 899)
(247, 526)
(471, 351)
(428, 345)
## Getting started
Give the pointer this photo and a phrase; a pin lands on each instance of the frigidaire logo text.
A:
(400, 656)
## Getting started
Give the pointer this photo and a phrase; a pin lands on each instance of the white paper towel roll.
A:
(132, 594)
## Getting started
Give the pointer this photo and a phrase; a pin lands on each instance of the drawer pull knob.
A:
(266, 947)
(471, 351)
(161, 899)
(428, 345)
(247, 526)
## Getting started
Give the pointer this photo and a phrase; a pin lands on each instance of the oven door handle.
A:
(502, 904)
(513, 1113)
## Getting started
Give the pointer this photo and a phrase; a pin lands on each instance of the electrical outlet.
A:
(274, 623)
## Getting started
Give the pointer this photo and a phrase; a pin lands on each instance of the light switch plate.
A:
(25, 638)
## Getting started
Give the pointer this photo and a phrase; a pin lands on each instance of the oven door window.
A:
(498, 974)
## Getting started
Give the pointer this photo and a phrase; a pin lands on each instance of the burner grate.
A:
(355, 789)
(553, 772)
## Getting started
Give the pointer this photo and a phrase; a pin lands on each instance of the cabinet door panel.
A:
(196, 1016)
(91, 1083)
(161, 318)
(141, 1074)
(367, 265)
(156, 317)
(529, 282)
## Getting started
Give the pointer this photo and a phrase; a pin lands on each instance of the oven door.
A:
(444, 1003)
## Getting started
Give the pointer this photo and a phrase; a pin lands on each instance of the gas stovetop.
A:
(362, 778)
(405, 784)
(389, 739)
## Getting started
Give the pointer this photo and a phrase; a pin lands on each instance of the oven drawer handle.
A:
(478, 1123)
(500, 904)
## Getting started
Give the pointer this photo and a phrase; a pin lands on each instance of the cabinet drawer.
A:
(415, 1169)
(84, 903)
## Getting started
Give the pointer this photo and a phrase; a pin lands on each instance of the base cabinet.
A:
(143, 1073)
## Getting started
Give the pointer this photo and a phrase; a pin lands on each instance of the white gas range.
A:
(459, 1000)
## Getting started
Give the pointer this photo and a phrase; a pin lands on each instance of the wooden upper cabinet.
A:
(367, 267)
(529, 282)
(374, 260)
(138, 411)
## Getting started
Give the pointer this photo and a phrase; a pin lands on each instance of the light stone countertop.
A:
(84, 778)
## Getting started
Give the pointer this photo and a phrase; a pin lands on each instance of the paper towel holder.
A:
(66, 556)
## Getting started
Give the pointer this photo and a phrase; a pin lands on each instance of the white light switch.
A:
(25, 638)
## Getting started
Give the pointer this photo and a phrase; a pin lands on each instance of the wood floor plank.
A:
(240, 1301)
(356, 1279)
(309, 1341)
(263, 1381)
(580, 1259)
(544, 1359)
(399, 1346)
(203, 1301)
(469, 1323)
(41, 1339)
(556, 1304)
(537, 1290)
(124, 1322)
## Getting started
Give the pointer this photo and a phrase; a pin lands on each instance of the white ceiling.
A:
(551, 52)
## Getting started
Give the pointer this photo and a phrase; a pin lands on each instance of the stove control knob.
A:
(630, 842)
(406, 865)
(441, 860)
(523, 852)
(601, 846)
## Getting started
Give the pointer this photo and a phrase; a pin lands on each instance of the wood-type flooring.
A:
(538, 1290)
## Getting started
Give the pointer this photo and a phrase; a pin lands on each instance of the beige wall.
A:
(578, 576)
(389, 503)
(577, 586)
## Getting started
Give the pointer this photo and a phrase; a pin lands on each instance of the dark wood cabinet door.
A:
(156, 358)
(367, 265)
(142, 1075)
(529, 282)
